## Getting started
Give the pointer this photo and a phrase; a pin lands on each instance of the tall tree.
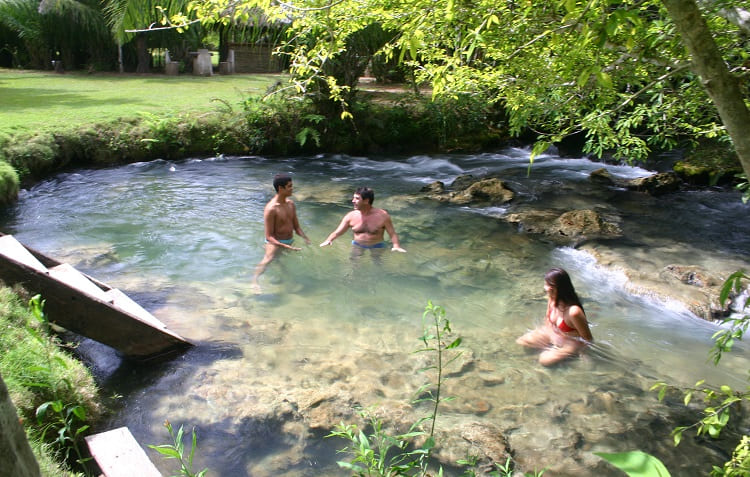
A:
(615, 74)
(708, 63)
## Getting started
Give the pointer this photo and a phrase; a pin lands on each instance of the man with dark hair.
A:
(280, 222)
(367, 223)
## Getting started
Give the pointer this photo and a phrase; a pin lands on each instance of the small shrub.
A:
(35, 155)
(9, 183)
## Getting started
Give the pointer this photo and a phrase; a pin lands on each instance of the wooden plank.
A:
(12, 248)
(84, 305)
(68, 275)
(125, 303)
(119, 455)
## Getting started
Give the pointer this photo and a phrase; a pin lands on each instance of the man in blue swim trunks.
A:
(367, 223)
(280, 222)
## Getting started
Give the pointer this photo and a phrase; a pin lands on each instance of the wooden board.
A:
(12, 248)
(119, 455)
(84, 305)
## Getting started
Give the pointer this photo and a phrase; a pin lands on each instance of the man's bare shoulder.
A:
(272, 206)
(382, 213)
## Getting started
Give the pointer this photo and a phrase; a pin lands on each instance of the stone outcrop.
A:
(466, 190)
(571, 227)
(657, 184)
(693, 286)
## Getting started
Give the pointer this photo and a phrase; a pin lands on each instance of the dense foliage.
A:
(613, 76)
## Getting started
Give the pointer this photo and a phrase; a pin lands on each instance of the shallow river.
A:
(274, 370)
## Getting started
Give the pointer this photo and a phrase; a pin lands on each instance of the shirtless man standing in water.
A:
(367, 223)
(280, 222)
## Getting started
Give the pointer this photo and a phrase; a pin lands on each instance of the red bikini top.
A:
(562, 326)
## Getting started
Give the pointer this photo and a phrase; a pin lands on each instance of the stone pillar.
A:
(172, 68)
(16, 458)
(202, 63)
(230, 60)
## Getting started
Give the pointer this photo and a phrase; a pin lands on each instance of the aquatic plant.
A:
(374, 452)
(176, 450)
(379, 453)
(501, 470)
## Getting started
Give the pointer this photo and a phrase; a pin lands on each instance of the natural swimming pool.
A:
(274, 370)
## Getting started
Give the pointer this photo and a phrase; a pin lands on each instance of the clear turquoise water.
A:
(184, 237)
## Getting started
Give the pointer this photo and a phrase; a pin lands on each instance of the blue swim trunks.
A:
(376, 245)
(284, 241)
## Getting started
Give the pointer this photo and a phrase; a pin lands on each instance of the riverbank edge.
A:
(39, 370)
(382, 123)
(272, 128)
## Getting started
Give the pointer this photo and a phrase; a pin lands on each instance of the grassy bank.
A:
(55, 394)
(62, 121)
(39, 101)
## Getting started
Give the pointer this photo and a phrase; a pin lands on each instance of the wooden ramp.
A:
(118, 454)
(86, 306)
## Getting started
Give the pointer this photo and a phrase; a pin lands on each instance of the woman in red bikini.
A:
(565, 331)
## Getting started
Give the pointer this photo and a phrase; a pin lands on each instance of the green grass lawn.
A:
(46, 101)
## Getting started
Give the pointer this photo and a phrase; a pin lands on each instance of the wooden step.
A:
(70, 276)
(119, 455)
(125, 303)
(12, 248)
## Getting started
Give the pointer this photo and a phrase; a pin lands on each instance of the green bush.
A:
(277, 125)
(34, 155)
(9, 183)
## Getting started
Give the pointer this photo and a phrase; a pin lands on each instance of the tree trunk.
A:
(141, 50)
(722, 87)
(223, 43)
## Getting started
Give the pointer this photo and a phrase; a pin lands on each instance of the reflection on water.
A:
(274, 370)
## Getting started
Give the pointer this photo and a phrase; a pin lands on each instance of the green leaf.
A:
(539, 148)
(636, 463)
(166, 450)
(583, 77)
(456, 343)
(604, 80)
(662, 393)
(688, 397)
(41, 411)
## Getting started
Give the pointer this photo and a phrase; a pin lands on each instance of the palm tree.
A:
(135, 19)
(37, 32)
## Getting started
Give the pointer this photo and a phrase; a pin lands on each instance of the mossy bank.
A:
(276, 127)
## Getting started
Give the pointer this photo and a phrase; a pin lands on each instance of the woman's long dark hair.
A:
(559, 279)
